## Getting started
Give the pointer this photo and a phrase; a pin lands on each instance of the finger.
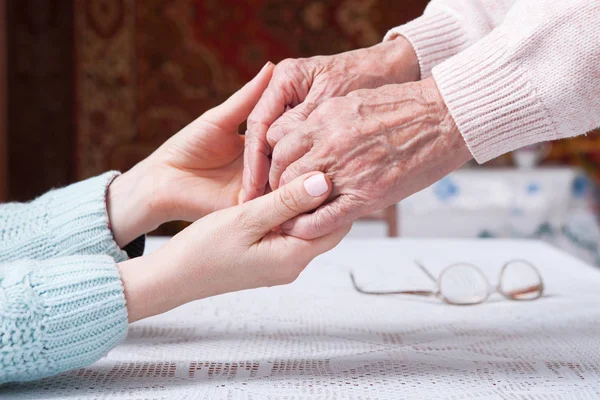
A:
(295, 169)
(325, 243)
(304, 194)
(324, 220)
(288, 122)
(238, 106)
(256, 168)
(287, 151)
(285, 89)
(309, 249)
(295, 254)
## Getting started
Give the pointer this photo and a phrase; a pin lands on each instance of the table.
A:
(319, 339)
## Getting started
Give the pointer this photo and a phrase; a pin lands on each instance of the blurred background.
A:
(93, 85)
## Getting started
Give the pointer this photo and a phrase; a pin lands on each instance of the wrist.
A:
(393, 61)
(161, 281)
(128, 206)
(447, 129)
(146, 293)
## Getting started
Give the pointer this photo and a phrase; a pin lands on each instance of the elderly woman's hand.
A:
(229, 250)
(300, 85)
(197, 171)
(378, 146)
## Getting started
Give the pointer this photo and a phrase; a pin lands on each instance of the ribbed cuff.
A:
(79, 218)
(70, 312)
(435, 37)
(491, 99)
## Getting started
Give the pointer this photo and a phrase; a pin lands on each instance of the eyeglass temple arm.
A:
(425, 270)
(425, 293)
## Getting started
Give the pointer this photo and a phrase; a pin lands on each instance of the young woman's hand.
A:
(197, 171)
(233, 249)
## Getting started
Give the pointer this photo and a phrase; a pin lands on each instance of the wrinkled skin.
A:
(299, 86)
(378, 146)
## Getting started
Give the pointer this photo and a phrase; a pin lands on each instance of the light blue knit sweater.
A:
(62, 304)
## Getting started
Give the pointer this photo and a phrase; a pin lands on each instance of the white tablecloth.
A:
(319, 339)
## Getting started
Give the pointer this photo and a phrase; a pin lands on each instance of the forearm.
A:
(148, 287)
(159, 282)
(449, 26)
(58, 315)
(532, 79)
(66, 221)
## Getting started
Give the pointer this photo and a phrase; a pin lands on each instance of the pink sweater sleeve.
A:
(449, 26)
(534, 78)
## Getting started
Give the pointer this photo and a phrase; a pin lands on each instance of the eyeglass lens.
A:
(463, 284)
(520, 280)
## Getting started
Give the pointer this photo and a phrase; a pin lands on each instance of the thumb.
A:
(301, 195)
(239, 105)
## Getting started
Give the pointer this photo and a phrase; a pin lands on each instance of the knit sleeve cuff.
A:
(79, 218)
(435, 37)
(59, 315)
(491, 99)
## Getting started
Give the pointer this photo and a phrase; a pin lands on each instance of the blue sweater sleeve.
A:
(68, 221)
(57, 315)
(62, 303)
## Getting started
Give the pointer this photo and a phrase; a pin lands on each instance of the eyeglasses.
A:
(465, 284)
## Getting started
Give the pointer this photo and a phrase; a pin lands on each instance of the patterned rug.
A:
(144, 69)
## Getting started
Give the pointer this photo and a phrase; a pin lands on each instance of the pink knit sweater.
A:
(512, 72)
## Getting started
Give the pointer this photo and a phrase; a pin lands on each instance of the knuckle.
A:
(323, 221)
(252, 138)
(287, 68)
(287, 201)
(281, 155)
(288, 117)
(326, 217)
(256, 128)
(277, 161)
(285, 64)
(290, 171)
(332, 107)
(245, 221)
(328, 107)
(252, 121)
(285, 178)
(288, 175)
(297, 168)
(276, 133)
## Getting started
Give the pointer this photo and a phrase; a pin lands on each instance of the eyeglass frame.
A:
(438, 292)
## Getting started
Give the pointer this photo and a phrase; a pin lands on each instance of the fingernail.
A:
(316, 185)
(266, 65)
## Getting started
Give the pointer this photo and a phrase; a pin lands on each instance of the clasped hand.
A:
(378, 145)
(196, 176)
(345, 135)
